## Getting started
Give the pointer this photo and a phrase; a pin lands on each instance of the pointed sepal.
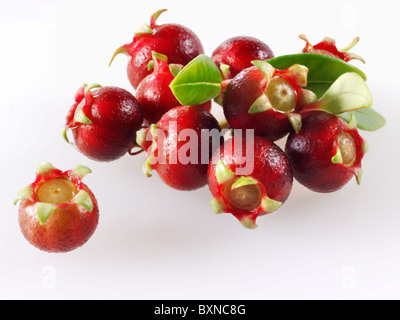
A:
(269, 205)
(353, 122)
(175, 68)
(262, 104)
(83, 198)
(298, 74)
(249, 222)
(155, 16)
(44, 168)
(243, 181)
(267, 69)
(44, 211)
(123, 49)
(217, 205)
(24, 193)
(223, 173)
(225, 70)
(358, 172)
(295, 120)
(337, 158)
(79, 172)
(143, 29)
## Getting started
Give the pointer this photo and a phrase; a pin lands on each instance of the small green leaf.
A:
(198, 82)
(367, 119)
(349, 92)
(44, 211)
(243, 181)
(262, 104)
(223, 173)
(24, 193)
(84, 199)
(323, 70)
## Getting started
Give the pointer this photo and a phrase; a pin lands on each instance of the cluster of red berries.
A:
(247, 173)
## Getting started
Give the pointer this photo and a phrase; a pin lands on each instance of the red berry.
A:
(326, 153)
(236, 54)
(58, 213)
(104, 122)
(154, 94)
(180, 146)
(266, 99)
(178, 43)
(249, 176)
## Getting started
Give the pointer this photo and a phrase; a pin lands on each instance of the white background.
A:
(157, 243)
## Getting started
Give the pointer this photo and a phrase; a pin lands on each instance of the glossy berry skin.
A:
(154, 94)
(182, 154)
(312, 153)
(104, 121)
(240, 94)
(238, 52)
(264, 162)
(177, 42)
(69, 226)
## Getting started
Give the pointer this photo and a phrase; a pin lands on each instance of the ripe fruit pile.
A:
(315, 98)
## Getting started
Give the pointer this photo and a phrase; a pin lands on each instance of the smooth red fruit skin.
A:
(116, 116)
(192, 176)
(241, 92)
(271, 169)
(239, 52)
(312, 149)
(156, 97)
(180, 44)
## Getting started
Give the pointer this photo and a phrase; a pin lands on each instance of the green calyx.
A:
(243, 181)
(83, 198)
(44, 211)
(44, 168)
(267, 69)
(337, 158)
(249, 223)
(223, 173)
(217, 205)
(269, 205)
(24, 193)
(143, 29)
(79, 172)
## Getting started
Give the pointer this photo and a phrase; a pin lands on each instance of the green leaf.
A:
(367, 119)
(323, 70)
(198, 82)
(349, 92)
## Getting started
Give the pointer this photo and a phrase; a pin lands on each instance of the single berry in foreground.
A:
(154, 93)
(103, 122)
(180, 145)
(249, 176)
(180, 44)
(267, 100)
(57, 213)
(326, 153)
